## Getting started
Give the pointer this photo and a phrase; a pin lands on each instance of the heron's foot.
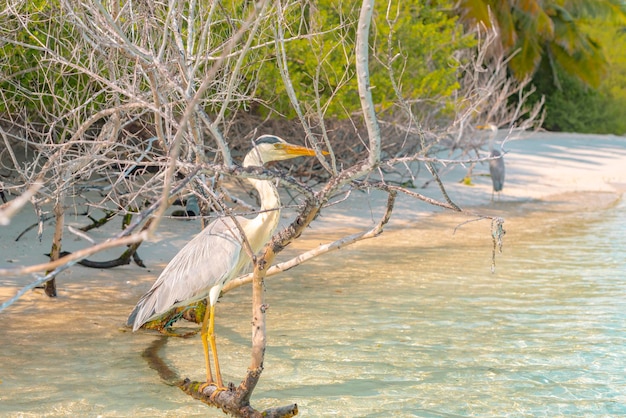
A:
(217, 390)
(205, 385)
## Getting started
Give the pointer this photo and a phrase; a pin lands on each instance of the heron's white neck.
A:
(270, 201)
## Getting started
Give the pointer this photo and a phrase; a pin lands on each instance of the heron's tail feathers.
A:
(142, 313)
(132, 317)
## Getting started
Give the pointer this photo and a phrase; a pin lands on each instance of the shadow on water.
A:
(409, 324)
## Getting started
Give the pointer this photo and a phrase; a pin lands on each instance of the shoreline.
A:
(559, 172)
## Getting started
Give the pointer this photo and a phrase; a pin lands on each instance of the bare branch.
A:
(321, 249)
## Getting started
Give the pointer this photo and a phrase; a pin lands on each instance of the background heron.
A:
(496, 164)
(218, 254)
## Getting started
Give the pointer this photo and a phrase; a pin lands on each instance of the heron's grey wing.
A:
(211, 257)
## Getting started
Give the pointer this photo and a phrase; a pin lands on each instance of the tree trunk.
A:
(50, 287)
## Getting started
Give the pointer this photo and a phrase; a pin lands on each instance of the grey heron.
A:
(218, 254)
(496, 163)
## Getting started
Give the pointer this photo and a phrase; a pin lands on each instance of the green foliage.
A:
(574, 51)
(574, 107)
(415, 41)
(36, 75)
(613, 40)
(50, 69)
(551, 29)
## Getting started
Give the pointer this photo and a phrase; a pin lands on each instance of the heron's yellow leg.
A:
(211, 336)
(208, 338)
(205, 344)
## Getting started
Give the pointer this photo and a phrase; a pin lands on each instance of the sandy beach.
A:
(539, 167)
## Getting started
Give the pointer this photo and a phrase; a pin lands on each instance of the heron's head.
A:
(272, 148)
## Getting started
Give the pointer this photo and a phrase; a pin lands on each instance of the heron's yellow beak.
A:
(487, 127)
(297, 150)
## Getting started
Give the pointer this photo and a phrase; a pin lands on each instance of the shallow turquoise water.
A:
(412, 323)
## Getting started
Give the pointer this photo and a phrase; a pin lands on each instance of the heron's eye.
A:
(279, 146)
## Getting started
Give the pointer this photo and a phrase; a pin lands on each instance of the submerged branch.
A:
(62, 264)
(229, 400)
(122, 260)
(232, 401)
(75, 256)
